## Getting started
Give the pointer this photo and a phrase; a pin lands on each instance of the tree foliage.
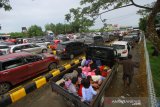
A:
(18, 35)
(5, 5)
(59, 28)
(143, 23)
(79, 22)
(35, 30)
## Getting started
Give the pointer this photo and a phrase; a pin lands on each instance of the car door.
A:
(36, 48)
(14, 70)
(28, 48)
(80, 47)
(36, 64)
(75, 48)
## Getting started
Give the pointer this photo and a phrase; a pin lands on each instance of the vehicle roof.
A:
(102, 47)
(120, 42)
(21, 44)
(13, 55)
(68, 42)
(130, 36)
(3, 44)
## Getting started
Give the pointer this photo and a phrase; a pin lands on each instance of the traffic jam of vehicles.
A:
(24, 59)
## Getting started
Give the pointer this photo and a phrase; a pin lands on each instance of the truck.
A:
(108, 56)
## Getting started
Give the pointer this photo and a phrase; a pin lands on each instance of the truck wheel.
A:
(52, 66)
(44, 51)
(71, 56)
(4, 87)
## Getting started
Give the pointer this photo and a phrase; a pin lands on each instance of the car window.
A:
(100, 53)
(33, 45)
(3, 47)
(98, 39)
(17, 48)
(34, 58)
(12, 64)
(61, 46)
(118, 46)
(26, 46)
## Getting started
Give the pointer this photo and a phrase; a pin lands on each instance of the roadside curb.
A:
(23, 91)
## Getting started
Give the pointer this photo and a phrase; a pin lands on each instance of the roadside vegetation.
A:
(154, 62)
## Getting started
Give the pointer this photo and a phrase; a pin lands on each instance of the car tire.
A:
(71, 56)
(52, 66)
(4, 87)
(44, 51)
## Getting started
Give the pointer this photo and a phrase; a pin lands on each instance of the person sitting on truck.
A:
(87, 91)
(70, 75)
(104, 70)
(80, 87)
(94, 84)
(73, 86)
(83, 62)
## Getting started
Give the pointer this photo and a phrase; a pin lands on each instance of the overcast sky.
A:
(40, 12)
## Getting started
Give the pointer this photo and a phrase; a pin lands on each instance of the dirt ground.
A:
(43, 97)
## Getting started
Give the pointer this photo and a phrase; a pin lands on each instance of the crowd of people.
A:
(85, 80)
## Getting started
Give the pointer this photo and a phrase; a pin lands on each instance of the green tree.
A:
(51, 27)
(5, 5)
(79, 22)
(35, 30)
(143, 23)
(18, 35)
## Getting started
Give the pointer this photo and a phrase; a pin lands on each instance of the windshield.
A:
(127, 39)
(118, 46)
(61, 46)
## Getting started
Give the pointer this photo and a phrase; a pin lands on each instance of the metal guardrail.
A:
(151, 91)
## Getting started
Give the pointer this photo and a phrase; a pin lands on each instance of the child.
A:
(72, 87)
(80, 87)
(87, 91)
(70, 75)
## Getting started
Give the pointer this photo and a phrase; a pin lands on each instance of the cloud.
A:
(40, 12)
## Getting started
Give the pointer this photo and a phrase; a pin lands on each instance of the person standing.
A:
(128, 70)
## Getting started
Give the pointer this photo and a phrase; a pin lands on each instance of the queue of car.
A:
(27, 59)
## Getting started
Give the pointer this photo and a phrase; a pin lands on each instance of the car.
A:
(28, 47)
(108, 36)
(18, 67)
(130, 40)
(107, 56)
(93, 40)
(53, 46)
(4, 49)
(135, 36)
(11, 40)
(7, 43)
(69, 49)
(41, 43)
(122, 48)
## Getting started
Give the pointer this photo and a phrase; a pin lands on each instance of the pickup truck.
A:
(107, 55)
